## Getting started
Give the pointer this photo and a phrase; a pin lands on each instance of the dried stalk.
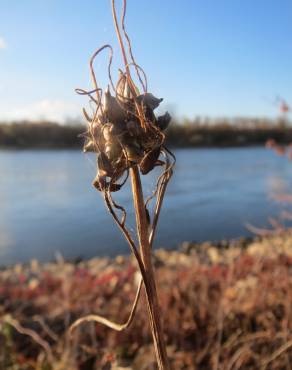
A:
(126, 149)
(145, 252)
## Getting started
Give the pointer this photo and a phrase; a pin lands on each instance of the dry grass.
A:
(224, 309)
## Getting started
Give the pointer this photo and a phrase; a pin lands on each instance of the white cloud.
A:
(46, 109)
(2, 43)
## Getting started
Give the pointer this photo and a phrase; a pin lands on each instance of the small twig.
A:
(236, 357)
(33, 335)
(46, 328)
(276, 354)
(102, 320)
(130, 47)
(161, 192)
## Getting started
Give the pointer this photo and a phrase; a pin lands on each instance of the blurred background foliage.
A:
(198, 132)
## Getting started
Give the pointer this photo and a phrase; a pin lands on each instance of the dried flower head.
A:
(124, 131)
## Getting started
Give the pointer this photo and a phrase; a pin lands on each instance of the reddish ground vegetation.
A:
(224, 308)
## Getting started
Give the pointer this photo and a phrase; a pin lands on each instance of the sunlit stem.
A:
(145, 252)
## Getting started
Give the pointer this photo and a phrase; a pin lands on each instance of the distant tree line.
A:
(228, 132)
(200, 132)
(40, 135)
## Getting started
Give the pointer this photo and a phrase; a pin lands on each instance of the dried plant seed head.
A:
(149, 100)
(123, 129)
(107, 132)
(123, 89)
(149, 161)
(89, 146)
(163, 121)
(99, 183)
(113, 151)
(112, 109)
(134, 152)
(134, 129)
(104, 165)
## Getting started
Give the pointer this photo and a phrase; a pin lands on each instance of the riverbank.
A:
(226, 304)
(197, 133)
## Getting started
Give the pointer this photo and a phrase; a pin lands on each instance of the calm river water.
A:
(47, 203)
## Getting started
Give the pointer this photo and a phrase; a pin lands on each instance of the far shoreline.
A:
(197, 133)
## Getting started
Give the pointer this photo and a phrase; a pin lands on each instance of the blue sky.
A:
(204, 57)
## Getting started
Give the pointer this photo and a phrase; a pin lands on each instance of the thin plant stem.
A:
(145, 252)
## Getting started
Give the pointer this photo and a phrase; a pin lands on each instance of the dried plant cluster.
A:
(117, 135)
(124, 130)
(128, 139)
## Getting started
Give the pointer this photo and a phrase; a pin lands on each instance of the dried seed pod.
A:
(107, 132)
(123, 88)
(101, 184)
(93, 142)
(111, 132)
(118, 129)
(163, 121)
(134, 128)
(149, 100)
(134, 152)
(114, 187)
(89, 146)
(132, 147)
(149, 160)
(113, 150)
(100, 119)
(124, 93)
(104, 165)
(114, 112)
(149, 114)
